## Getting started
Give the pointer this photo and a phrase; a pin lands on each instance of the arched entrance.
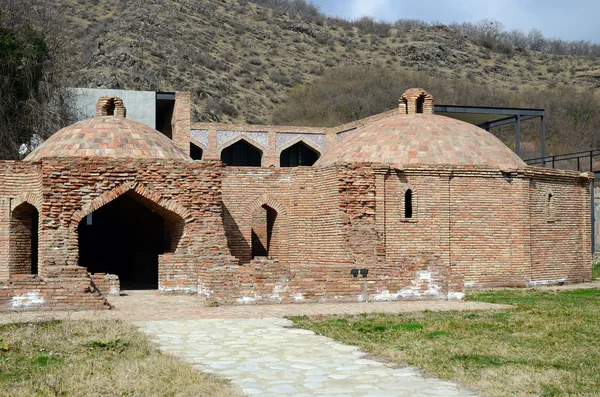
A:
(125, 237)
(297, 155)
(263, 223)
(241, 154)
(23, 247)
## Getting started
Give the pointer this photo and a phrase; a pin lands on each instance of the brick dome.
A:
(424, 139)
(111, 136)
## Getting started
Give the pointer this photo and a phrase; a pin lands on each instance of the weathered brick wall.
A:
(357, 192)
(427, 232)
(245, 191)
(64, 288)
(489, 228)
(185, 193)
(267, 281)
(19, 182)
(560, 233)
(106, 284)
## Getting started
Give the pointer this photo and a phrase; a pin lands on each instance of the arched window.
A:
(195, 152)
(297, 155)
(241, 154)
(408, 204)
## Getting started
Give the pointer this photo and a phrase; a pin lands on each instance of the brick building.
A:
(401, 205)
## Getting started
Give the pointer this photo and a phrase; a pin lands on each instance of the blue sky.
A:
(568, 20)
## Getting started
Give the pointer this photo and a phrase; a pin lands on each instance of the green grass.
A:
(93, 358)
(549, 345)
(596, 272)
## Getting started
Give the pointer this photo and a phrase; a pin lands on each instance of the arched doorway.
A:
(241, 154)
(297, 155)
(195, 152)
(125, 237)
(263, 236)
(23, 246)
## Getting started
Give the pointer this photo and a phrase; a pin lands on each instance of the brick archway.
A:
(276, 227)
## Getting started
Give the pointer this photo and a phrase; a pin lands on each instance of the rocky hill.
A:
(239, 58)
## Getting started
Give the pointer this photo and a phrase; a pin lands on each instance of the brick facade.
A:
(348, 230)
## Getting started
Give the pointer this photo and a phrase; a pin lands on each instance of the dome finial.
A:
(416, 100)
(110, 106)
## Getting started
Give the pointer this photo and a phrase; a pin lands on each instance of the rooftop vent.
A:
(110, 106)
(416, 100)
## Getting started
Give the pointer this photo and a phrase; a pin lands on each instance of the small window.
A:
(550, 207)
(408, 204)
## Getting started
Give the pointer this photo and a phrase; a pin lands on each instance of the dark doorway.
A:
(195, 152)
(297, 155)
(263, 221)
(23, 247)
(124, 237)
(241, 154)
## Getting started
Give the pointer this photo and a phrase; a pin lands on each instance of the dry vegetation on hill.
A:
(240, 58)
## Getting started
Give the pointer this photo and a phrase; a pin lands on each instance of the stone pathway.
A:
(267, 357)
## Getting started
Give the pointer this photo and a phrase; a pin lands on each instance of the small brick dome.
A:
(107, 135)
(424, 139)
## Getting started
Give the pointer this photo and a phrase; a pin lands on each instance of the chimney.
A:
(416, 100)
(181, 121)
(110, 106)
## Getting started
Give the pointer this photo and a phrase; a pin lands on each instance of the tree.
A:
(32, 104)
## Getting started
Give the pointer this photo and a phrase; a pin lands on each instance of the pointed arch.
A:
(141, 190)
(299, 139)
(26, 197)
(265, 199)
(244, 138)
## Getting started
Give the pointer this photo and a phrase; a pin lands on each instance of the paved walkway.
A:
(261, 353)
(266, 357)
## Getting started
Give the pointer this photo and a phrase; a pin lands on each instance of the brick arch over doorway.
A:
(170, 210)
(125, 230)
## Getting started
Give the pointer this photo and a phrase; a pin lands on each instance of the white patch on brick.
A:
(472, 284)
(456, 296)
(275, 294)
(204, 291)
(540, 283)
(27, 300)
(424, 279)
(299, 297)
(184, 290)
(245, 300)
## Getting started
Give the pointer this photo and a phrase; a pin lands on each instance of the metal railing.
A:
(581, 161)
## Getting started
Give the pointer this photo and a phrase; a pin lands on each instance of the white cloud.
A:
(374, 8)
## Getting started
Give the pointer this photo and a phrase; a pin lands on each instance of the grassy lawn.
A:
(548, 346)
(93, 358)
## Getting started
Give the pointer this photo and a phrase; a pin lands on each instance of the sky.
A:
(567, 20)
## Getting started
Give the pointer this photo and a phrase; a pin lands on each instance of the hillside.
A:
(239, 59)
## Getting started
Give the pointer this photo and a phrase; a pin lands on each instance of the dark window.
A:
(195, 152)
(408, 206)
(241, 154)
(298, 154)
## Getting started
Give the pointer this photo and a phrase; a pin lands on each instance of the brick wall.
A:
(64, 288)
(181, 121)
(268, 281)
(560, 241)
(19, 182)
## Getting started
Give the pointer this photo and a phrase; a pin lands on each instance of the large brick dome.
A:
(422, 139)
(110, 136)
